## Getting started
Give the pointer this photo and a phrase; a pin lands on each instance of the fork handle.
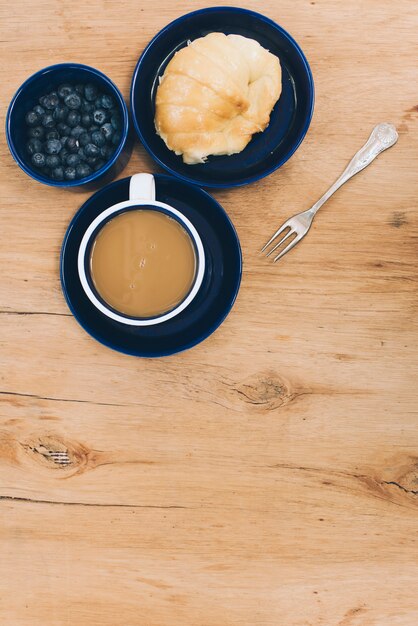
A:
(383, 136)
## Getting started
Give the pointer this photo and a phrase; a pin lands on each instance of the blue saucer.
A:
(289, 120)
(208, 309)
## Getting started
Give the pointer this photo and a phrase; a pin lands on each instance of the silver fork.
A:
(383, 136)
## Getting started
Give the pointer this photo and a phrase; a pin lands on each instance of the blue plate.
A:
(289, 119)
(210, 306)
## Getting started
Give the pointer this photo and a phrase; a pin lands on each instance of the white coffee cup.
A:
(141, 193)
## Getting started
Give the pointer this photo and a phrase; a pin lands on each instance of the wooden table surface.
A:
(268, 476)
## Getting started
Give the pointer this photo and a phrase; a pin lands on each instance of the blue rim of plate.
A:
(95, 175)
(281, 161)
(206, 331)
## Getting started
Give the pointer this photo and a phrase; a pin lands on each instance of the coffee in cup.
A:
(141, 262)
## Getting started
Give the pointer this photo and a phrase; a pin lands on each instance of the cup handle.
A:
(142, 187)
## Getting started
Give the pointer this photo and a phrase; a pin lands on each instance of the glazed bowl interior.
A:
(289, 119)
(27, 96)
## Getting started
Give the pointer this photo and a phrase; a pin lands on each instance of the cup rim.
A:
(101, 220)
(94, 175)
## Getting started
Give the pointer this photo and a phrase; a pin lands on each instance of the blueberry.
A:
(90, 92)
(63, 140)
(58, 173)
(60, 113)
(72, 160)
(53, 100)
(64, 90)
(53, 146)
(72, 101)
(107, 130)
(84, 139)
(98, 102)
(52, 134)
(48, 121)
(38, 110)
(73, 118)
(93, 127)
(69, 173)
(98, 165)
(92, 160)
(37, 132)
(86, 120)
(116, 138)
(107, 102)
(34, 145)
(50, 101)
(63, 155)
(106, 152)
(52, 160)
(116, 121)
(98, 138)
(38, 159)
(44, 102)
(91, 150)
(63, 128)
(77, 131)
(79, 89)
(83, 170)
(99, 116)
(32, 118)
(72, 144)
(81, 154)
(87, 107)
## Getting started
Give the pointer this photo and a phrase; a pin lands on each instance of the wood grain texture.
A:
(269, 476)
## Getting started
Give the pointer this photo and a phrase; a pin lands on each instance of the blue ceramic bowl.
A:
(27, 96)
(289, 119)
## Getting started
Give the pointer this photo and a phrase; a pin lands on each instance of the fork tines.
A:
(282, 229)
(298, 226)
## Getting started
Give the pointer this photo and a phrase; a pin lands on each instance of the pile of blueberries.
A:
(73, 131)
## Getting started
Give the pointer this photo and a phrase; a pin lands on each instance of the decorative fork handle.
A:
(383, 136)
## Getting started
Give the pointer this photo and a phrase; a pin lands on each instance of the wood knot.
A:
(397, 481)
(398, 219)
(410, 113)
(351, 615)
(266, 390)
(57, 453)
(403, 478)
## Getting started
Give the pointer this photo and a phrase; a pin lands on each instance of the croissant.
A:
(215, 94)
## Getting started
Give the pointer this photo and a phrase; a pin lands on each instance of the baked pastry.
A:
(215, 94)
